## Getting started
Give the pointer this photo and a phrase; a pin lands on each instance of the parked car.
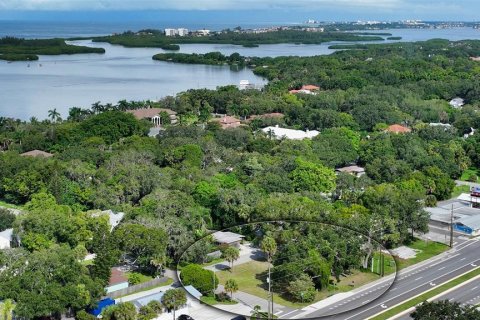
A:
(239, 318)
(184, 317)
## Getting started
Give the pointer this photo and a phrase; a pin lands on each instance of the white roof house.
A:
(457, 102)
(114, 219)
(227, 237)
(5, 238)
(280, 133)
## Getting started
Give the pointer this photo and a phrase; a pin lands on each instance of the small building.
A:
(182, 32)
(114, 219)
(6, 239)
(227, 122)
(118, 281)
(473, 198)
(37, 154)
(228, 238)
(468, 225)
(203, 32)
(396, 128)
(438, 124)
(457, 103)
(306, 89)
(245, 84)
(353, 170)
(153, 115)
(283, 133)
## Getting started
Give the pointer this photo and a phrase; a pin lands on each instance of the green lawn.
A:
(390, 264)
(143, 278)
(415, 301)
(428, 249)
(470, 172)
(459, 190)
(9, 205)
(246, 277)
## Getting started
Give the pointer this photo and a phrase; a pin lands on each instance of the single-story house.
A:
(37, 153)
(279, 133)
(473, 198)
(307, 89)
(118, 281)
(6, 239)
(457, 103)
(228, 238)
(396, 128)
(353, 170)
(438, 124)
(227, 122)
(153, 115)
(468, 225)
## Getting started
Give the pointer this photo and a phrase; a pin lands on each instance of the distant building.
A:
(457, 103)
(227, 122)
(182, 32)
(228, 238)
(396, 128)
(6, 239)
(306, 89)
(353, 170)
(37, 153)
(153, 115)
(282, 133)
(171, 32)
(203, 32)
(118, 281)
(438, 124)
(245, 84)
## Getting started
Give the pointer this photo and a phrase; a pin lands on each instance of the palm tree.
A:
(231, 254)
(6, 309)
(231, 286)
(269, 246)
(158, 262)
(54, 114)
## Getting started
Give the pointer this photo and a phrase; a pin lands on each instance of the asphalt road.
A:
(467, 294)
(408, 283)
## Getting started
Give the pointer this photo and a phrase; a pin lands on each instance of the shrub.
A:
(6, 219)
(201, 279)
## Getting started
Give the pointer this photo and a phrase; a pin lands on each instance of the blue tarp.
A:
(102, 305)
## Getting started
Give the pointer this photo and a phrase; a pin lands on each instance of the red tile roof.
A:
(396, 128)
(37, 153)
(117, 276)
(310, 87)
(148, 113)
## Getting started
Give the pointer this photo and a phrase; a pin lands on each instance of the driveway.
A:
(247, 253)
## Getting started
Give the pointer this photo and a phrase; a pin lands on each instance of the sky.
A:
(268, 10)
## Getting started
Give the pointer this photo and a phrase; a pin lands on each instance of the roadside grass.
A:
(415, 301)
(458, 190)
(468, 173)
(427, 250)
(211, 300)
(246, 275)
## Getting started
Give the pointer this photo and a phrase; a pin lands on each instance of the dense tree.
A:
(444, 310)
(203, 280)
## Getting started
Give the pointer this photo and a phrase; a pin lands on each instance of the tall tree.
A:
(231, 254)
(231, 286)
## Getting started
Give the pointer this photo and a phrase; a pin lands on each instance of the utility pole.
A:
(269, 280)
(451, 227)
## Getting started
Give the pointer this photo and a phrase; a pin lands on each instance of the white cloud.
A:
(193, 4)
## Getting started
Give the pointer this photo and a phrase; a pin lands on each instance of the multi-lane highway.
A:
(468, 294)
(408, 283)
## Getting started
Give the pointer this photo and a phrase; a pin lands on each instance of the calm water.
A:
(31, 89)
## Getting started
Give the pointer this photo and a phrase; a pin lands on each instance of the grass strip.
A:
(425, 296)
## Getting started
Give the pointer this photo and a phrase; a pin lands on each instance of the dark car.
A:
(239, 318)
(184, 317)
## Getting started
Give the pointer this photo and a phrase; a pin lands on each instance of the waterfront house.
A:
(153, 115)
